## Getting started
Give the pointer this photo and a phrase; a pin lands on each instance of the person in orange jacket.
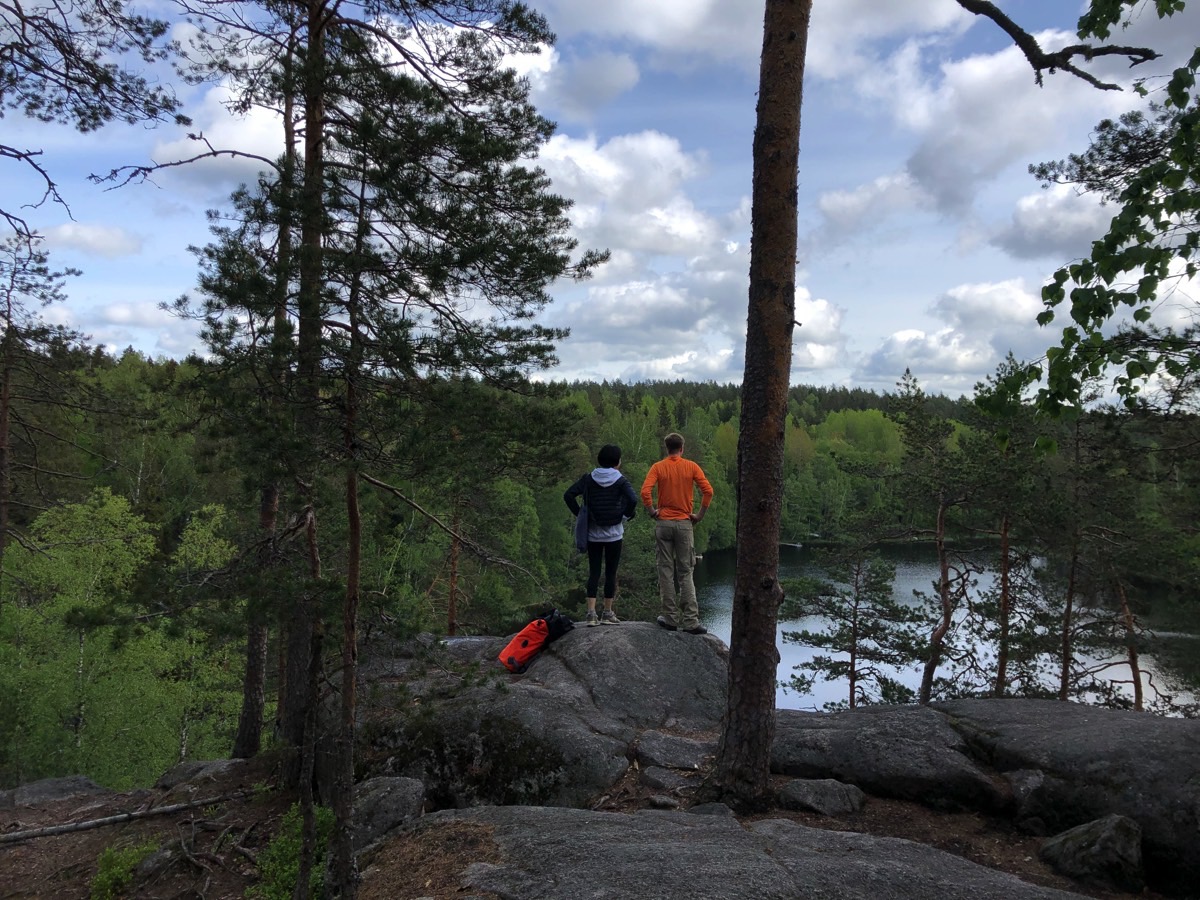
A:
(676, 479)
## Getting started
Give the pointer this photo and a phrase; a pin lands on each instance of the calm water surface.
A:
(916, 570)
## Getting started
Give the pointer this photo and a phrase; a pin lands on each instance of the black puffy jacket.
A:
(606, 505)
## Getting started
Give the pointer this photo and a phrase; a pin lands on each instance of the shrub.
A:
(115, 870)
(279, 863)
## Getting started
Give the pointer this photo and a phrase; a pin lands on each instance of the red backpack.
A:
(532, 639)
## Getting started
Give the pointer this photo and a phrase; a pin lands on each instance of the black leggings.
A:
(611, 552)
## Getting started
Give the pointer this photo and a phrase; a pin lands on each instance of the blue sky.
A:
(924, 241)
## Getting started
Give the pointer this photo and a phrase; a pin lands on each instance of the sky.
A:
(923, 239)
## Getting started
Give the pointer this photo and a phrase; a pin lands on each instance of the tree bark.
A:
(301, 622)
(248, 741)
(742, 770)
(452, 593)
(345, 871)
(1131, 651)
(5, 444)
(1064, 681)
(308, 742)
(1005, 613)
(938, 637)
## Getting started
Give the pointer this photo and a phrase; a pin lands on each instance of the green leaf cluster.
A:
(279, 862)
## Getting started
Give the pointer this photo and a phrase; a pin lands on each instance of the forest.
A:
(137, 571)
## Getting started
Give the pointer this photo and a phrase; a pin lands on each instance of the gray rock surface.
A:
(1106, 852)
(558, 734)
(669, 779)
(568, 853)
(602, 699)
(822, 795)
(672, 751)
(49, 790)
(908, 752)
(381, 804)
(1097, 762)
(196, 772)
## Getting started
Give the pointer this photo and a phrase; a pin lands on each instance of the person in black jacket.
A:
(608, 501)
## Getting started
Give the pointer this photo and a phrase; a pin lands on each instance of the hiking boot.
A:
(592, 619)
(663, 623)
(608, 617)
(699, 629)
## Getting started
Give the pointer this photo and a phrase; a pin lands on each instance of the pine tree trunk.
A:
(1002, 648)
(938, 637)
(345, 871)
(302, 622)
(5, 445)
(853, 674)
(742, 770)
(1131, 651)
(1064, 681)
(308, 757)
(452, 594)
(248, 740)
(308, 742)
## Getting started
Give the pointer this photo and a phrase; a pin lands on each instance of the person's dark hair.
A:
(673, 442)
(609, 456)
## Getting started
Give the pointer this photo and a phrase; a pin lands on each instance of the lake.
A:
(916, 569)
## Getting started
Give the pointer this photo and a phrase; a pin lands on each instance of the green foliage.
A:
(1149, 168)
(89, 689)
(279, 862)
(115, 872)
(872, 637)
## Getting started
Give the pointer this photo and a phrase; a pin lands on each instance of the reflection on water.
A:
(916, 570)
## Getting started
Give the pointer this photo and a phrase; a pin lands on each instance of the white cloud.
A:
(141, 315)
(979, 325)
(628, 193)
(851, 213)
(1057, 223)
(106, 241)
(141, 324)
(257, 133)
(580, 88)
(987, 115)
(1178, 304)
(842, 33)
(690, 365)
(680, 31)
(978, 307)
(940, 353)
(818, 341)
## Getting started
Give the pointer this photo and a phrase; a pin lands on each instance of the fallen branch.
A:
(16, 836)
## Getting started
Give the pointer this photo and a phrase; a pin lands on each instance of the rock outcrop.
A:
(1069, 764)
(601, 700)
(542, 853)
(1107, 853)
(561, 733)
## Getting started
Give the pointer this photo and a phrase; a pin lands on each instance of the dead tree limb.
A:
(17, 836)
(478, 549)
(1064, 58)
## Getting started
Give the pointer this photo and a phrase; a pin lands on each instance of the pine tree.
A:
(873, 636)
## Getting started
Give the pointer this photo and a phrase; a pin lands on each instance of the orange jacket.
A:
(675, 477)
